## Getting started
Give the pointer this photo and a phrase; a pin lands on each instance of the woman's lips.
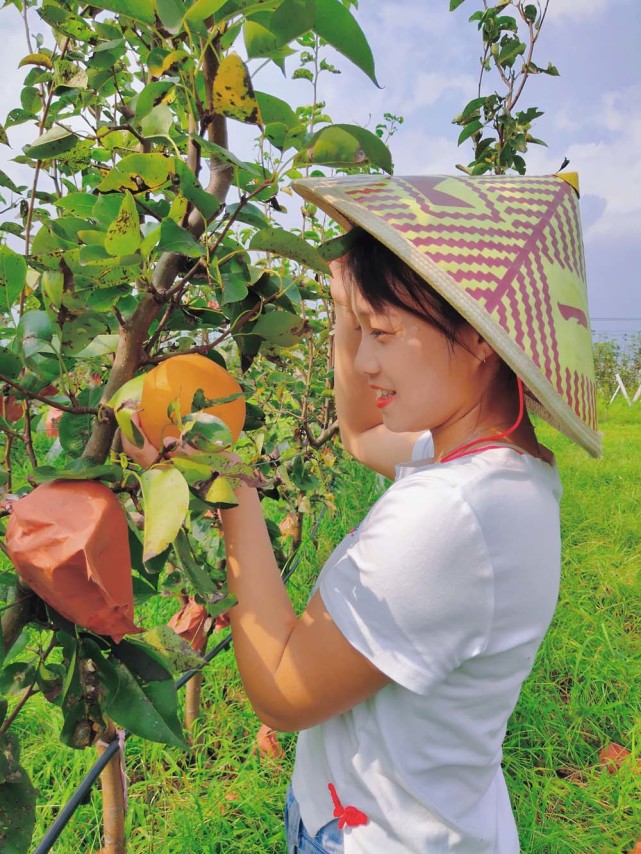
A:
(384, 398)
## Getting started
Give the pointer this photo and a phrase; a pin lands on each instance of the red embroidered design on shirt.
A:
(349, 816)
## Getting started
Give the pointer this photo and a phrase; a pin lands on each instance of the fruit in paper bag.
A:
(179, 378)
(68, 540)
(192, 623)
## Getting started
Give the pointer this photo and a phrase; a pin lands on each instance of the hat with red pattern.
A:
(506, 251)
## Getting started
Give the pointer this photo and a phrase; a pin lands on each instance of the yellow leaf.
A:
(36, 59)
(160, 66)
(234, 93)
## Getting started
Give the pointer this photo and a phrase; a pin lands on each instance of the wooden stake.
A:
(113, 796)
(192, 705)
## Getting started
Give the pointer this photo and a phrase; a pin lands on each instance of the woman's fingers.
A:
(337, 283)
(145, 455)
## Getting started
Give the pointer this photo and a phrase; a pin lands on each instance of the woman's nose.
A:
(365, 361)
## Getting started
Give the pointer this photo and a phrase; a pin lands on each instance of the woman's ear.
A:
(477, 346)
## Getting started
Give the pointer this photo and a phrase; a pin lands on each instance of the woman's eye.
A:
(377, 333)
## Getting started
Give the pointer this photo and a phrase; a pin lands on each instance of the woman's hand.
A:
(338, 286)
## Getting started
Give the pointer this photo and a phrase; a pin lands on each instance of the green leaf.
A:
(138, 173)
(292, 19)
(102, 345)
(173, 238)
(51, 144)
(259, 40)
(206, 203)
(17, 799)
(278, 328)
(333, 146)
(68, 75)
(336, 247)
(201, 10)
(374, 148)
(5, 181)
(148, 709)
(205, 432)
(193, 570)
(510, 50)
(472, 106)
(336, 25)
(13, 277)
(137, 10)
(75, 430)
(273, 109)
(469, 130)
(150, 96)
(10, 364)
(166, 501)
(179, 654)
(158, 122)
(290, 245)
(52, 284)
(223, 155)
(78, 204)
(14, 678)
(171, 14)
(454, 4)
(80, 469)
(249, 214)
(123, 235)
(34, 332)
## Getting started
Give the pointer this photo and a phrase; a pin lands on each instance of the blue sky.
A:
(427, 66)
(427, 63)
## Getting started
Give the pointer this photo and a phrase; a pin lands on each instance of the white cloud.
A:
(416, 152)
(429, 87)
(609, 164)
(577, 9)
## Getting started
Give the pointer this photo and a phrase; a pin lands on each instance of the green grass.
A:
(585, 691)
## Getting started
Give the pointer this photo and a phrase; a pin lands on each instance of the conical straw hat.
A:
(507, 252)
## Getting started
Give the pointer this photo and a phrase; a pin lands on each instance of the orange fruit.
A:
(179, 378)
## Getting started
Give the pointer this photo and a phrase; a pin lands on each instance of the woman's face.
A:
(420, 382)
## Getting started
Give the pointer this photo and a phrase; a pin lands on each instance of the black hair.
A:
(383, 279)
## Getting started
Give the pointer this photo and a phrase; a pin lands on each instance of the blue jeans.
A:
(328, 840)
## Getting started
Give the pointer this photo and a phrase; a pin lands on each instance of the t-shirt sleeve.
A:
(413, 593)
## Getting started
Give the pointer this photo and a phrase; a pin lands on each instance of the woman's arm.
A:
(361, 425)
(297, 672)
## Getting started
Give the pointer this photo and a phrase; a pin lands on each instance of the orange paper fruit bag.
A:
(192, 623)
(68, 540)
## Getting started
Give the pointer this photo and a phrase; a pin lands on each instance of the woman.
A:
(408, 660)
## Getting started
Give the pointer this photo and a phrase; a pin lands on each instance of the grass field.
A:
(584, 693)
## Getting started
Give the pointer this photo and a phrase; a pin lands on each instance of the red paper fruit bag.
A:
(68, 540)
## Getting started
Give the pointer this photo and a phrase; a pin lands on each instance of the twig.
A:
(322, 438)
(76, 410)
(27, 438)
(27, 692)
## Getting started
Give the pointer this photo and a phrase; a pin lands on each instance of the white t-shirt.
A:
(448, 586)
